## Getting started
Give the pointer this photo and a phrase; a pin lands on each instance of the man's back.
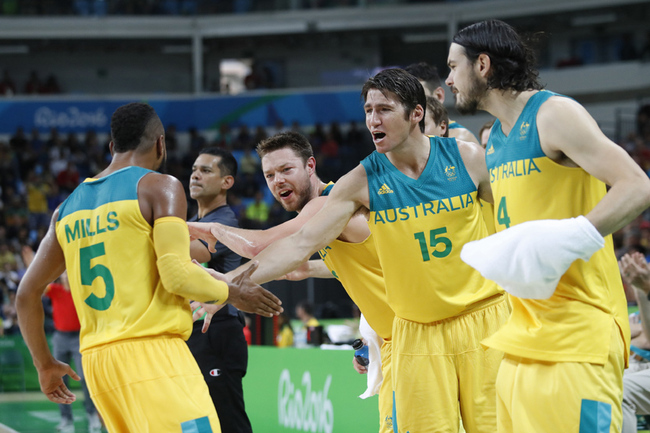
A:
(111, 263)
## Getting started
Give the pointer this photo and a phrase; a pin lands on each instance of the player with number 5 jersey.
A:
(123, 239)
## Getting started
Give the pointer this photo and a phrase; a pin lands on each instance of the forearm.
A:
(177, 272)
(246, 243)
(318, 269)
(30, 319)
(622, 204)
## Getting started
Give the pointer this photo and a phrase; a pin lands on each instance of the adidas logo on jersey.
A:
(490, 150)
(384, 190)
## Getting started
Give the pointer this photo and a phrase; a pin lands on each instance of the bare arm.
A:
(163, 196)
(309, 269)
(474, 159)
(285, 255)
(249, 243)
(567, 130)
(46, 267)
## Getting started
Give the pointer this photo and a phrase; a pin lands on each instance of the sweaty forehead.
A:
(207, 160)
(380, 97)
(280, 158)
(456, 53)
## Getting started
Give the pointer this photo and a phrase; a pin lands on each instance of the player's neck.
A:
(411, 156)
(507, 106)
(207, 206)
(129, 159)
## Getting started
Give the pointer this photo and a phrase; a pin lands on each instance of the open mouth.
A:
(285, 194)
(378, 135)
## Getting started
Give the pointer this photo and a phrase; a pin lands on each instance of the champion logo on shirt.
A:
(215, 372)
(385, 189)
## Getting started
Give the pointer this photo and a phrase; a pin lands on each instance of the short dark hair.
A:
(227, 163)
(288, 139)
(425, 72)
(407, 88)
(438, 112)
(306, 306)
(512, 58)
(131, 123)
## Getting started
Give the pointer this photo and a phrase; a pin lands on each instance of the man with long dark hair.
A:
(567, 339)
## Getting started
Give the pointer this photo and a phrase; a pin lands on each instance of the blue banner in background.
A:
(80, 115)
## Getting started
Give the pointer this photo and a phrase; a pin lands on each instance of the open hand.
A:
(200, 308)
(250, 297)
(52, 385)
(635, 270)
(202, 231)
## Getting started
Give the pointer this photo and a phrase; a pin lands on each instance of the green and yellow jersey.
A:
(111, 264)
(575, 323)
(356, 266)
(419, 227)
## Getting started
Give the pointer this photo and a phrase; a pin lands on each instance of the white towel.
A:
(529, 259)
(374, 342)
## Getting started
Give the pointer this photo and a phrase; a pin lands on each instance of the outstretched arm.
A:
(310, 269)
(46, 267)
(249, 243)
(566, 128)
(349, 194)
(165, 197)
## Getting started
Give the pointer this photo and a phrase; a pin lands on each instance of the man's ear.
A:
(160, 146)
(227, 182)
(483, 64)
(439, 94)
(417, 114)
(111, 145)
(311, 165)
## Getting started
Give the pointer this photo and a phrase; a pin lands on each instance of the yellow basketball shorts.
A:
(149, 385)
(567, 397)
(386, 389)
(441, 369)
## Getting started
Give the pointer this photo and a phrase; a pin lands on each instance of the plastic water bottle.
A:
(360, 352)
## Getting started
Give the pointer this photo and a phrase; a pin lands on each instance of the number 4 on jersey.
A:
(502, 213)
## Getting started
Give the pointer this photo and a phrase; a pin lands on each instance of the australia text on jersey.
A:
(522, 167)
(421, 210)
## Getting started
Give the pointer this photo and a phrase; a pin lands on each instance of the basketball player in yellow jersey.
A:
(290, 171)
(421, 194)
(567, 341)
(123, 239)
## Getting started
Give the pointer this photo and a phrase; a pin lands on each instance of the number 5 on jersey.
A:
(90, 273)
(434, 241)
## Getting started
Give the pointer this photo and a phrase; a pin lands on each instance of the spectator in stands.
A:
(285, 332)
(257, 213)
(7, 85)
(249, 163)
(305, 312)
(68, 179)
(37, 192)
(51, 86)
(197, 141)
(33, 84)
(10, 321)
(636, 385)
